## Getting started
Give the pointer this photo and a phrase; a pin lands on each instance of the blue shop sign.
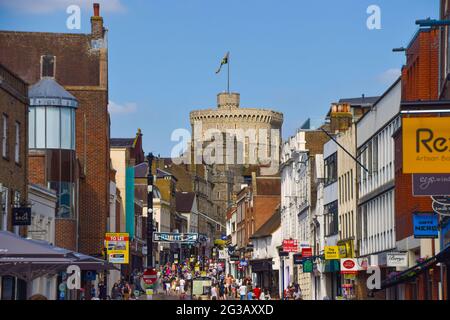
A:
(426, 226)
(445, 233)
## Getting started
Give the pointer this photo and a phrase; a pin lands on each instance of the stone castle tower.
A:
(229, 177)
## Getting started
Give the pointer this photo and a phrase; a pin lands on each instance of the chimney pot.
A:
(96, 9)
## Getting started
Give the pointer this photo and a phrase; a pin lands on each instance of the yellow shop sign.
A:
(332, 253)
(426, 145)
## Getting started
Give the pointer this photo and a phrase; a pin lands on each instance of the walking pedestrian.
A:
(101, 291)
(242, 291)
(214, 293)
(257, 292)
(116, 294)
(126, 291)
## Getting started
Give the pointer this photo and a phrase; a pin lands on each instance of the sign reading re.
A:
(426, 145)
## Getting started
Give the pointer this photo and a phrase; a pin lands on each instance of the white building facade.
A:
(43, 208)
(375, 147)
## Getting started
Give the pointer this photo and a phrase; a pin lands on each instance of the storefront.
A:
(262, 268)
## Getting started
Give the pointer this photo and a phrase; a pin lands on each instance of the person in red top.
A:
(257, 292)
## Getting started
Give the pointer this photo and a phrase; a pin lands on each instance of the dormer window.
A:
(48, 66)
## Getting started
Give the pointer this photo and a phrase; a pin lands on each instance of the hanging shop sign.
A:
(431, 184)
(307, 266)
(363, 263)
(350, 276)
(442, 209)
(426, 145)
(234, 257)
(397, 259)
(349, 266)
(298, 258)
(243, 263)
(290, 245)
(117, 246)
(331, 252)
(445, 233)
(426, 226)
(175, 237)
(306, 252)
(346, 249)
(223, 254)
(21, 216)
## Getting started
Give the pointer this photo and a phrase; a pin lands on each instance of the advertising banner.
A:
(426, 145)
(332, 253)
(426, 226)
(117, 246)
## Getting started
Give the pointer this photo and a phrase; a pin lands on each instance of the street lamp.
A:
(150, 212)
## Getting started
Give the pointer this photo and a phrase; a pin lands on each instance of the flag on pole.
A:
(224, 61)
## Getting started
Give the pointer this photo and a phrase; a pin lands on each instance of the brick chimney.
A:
(97, 23)
(340, 117)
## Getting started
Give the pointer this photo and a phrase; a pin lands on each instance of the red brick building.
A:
(420, 83)
(79, 63)
(13, 145)
(255, 204)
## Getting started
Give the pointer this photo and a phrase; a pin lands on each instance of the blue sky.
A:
(293, 56)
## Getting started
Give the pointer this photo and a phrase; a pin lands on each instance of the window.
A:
(65, 192)
(331, 169)
(331, 219)
(32, 128)
(48, 66)
(17, 144)
(375, 154)
(5, 136)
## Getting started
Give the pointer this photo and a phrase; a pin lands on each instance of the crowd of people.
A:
(229, 288)
(175, 280)
(293, 292)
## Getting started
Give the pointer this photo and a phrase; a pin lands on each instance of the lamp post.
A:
(150, 212)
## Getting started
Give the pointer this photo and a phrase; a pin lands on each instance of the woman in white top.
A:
(214, 293)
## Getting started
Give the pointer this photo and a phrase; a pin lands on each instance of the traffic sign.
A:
(149, 276)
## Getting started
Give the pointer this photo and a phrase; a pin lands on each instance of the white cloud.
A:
(126, 108)
(50, 6)
(389, 76)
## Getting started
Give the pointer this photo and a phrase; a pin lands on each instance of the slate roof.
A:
(122, 142)
(360, 101)
(49, 92)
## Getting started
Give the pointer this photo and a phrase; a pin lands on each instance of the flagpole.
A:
(228, 81)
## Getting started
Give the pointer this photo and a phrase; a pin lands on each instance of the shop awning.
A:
(411, 273)
(30, 259)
